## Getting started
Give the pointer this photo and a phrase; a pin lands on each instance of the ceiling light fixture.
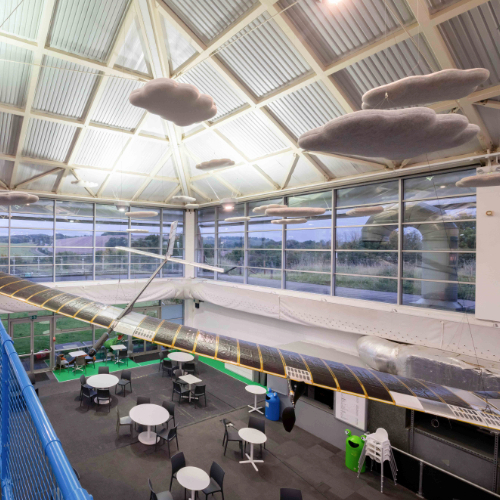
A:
(228, 204)
(122, 207)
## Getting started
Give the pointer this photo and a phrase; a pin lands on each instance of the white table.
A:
(77, 354)
(180, 357)
(150, 416)
(252, 436)
(103, 381)
(117, 348)
(255, 390)
(193, 479)
(190, 380)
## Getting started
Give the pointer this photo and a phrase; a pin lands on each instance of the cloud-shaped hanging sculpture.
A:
(481, 180)
(289, 221)
(295, 211)
(192, 205)
(214, 164)
(181, 103)
(263, 208)
(137, 231)
(236, 219)
(425, 89)
(9, 198)
(184, 199)
(141, 215)
(395, 134)
(363, 211)
(85, 183)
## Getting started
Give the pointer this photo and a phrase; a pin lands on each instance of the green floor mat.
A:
(67, 373)
(219, 365)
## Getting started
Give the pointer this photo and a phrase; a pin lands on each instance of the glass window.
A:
(308, 282)
(309, 239)
(74, 238)
(68, 208)
(301, 260)
(32, 237)
(437, 185)
(367, 238)
(440, 236)
(254, 204)
(264, 277)
(366, 288)
(232, 240)
(264, 258)
(232, 274)
(231, 257)
(445, 266)
(365, 215)
(441, 210)
(265, 239)
(368, 194)
(367, 263)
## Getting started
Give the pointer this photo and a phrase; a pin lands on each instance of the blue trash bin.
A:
(272, 405)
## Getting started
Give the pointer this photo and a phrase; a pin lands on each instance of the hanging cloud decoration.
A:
(263, 208)
(236, 219)
(142, 231)
(85, 183)
(363, 211)
(214, 164)
(184, 199)
(181, 103)
(424, 89)
(9, 198)
(141, 215)
(395, 134)
(289, 221)
(191, 205)
(295, 211)
(480, 180)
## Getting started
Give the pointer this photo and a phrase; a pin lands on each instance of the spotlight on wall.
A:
(228, 204)
(122, 207)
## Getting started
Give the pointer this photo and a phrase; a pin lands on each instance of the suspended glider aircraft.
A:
(479, 408)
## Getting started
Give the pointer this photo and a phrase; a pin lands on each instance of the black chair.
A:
(290, 494)
(216, 479)
(183, 392)
(231, 434)
(164, 495)
(33, 381)
(259, 424)
(199, 392)
(80, 365)
(162, 356)
(143, 400)
(167, 367)
(125, 379)
(189, 368)
(88, 393)
(178, 462)
(123, 421)
(103, 370)
(170, 407)
(103, 395)
(123, 356)
(167, 435)
(90, 359)
(178, 373)
(83, 383)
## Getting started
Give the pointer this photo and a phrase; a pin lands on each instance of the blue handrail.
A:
(33, 463)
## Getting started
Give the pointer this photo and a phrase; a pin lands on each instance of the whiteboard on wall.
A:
(351, 410)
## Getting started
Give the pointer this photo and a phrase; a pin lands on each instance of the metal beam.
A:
(296, 159)
(37, 177)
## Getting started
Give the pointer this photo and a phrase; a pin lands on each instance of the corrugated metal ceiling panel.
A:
(85, 175)
(264, 60)
(207, 80)
(87, 28)
(157, 191)
(212, 188)
(64, 88)
(153, 125)
(21, 19)
(48, 140)
(142, 156)
(252, 135)
(341, 168)
(491, 118)
(100, 148)
(209, 146)
(437, 5)
(305, 109)
(14, 76)
(179, 49)
(26, 171)
(168, 169)
(10, 127)
(389, 65)
(114, 108)
(122, 186)
(132, 55)
(473, 39)
(333, 31)
(209, 19)
(246, 180)
(6, 168)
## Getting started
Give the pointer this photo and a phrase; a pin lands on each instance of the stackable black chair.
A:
(216, 479)
(231, 434)
(178, 462)
(125, 379)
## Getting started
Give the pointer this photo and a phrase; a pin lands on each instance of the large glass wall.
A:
(54, 240)
(409, 241)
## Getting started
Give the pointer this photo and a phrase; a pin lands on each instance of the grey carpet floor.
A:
(117, 467)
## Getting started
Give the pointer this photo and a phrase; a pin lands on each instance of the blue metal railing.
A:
(33, 464)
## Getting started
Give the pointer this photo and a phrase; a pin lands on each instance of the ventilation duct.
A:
(427, 364)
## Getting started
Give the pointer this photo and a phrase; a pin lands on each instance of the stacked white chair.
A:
(378, 448)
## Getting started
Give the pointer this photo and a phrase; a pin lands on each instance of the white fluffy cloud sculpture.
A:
(184, 199)
(215, 164)
(295, 211)
(393, 134)
(9, 198)
(363, 211)
(425, 89)
(181, 103)
(263, 208)
(480, 180)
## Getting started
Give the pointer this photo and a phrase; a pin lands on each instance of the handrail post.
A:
(495, 462)
(420, 493)
(6, 480)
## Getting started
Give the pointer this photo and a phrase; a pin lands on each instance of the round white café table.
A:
(180, 357)
(103, 381)
(150, 416)
(193, 479)
(252, 436)
(255, 390)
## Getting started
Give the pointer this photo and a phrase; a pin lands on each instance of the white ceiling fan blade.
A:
(195, 264)
(140, 252)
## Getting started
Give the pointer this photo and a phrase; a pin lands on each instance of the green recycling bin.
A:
(353, 448)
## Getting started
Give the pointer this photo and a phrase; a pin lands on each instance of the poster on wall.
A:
(351, 410)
